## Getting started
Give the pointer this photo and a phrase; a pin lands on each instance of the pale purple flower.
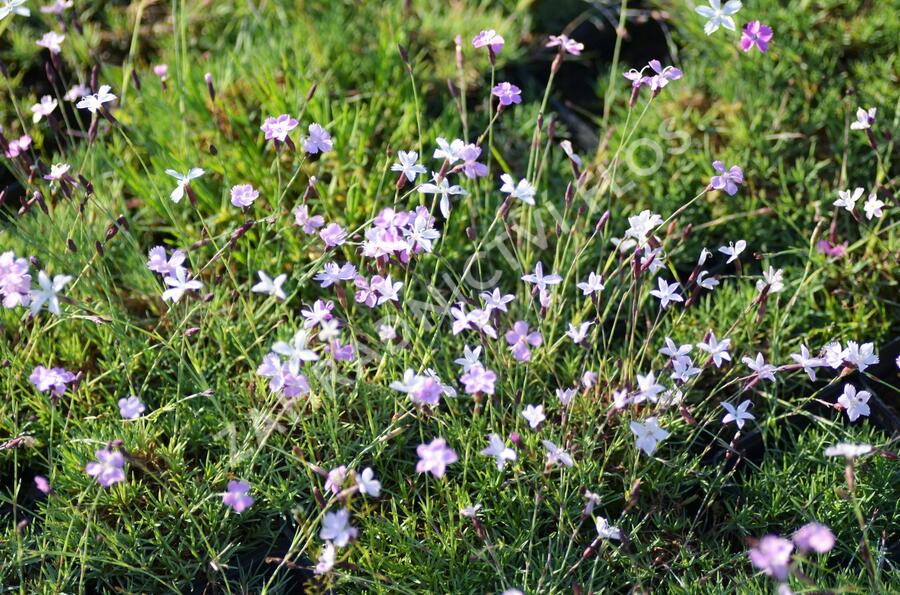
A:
(471, 167)
(605, 530)
(648, 388)
(434, 457)
(451, 152)
(44, 108)
(333, 235)
(52, 40)
(318, 141)
(477, 380)
(444, 189)
(521, 190)
(861, 356)
(497, 448)
(326, 559)
(855, 403)
(666, 292)
(15, 281)
(270, 286)
(131, 408)
(578, 333)
(718, 350)
(319, 313)
(814, 537)
(541, 280)
(42, 484)
(58, 171)
(335, 481)
(772, 555)
(470, 358)
(243, 195)
(94, 102)
(847, 200)
(557, 455)
(593, 284)
(738, 414)
(727, 179)
(161, 70)
(109, 467)
(309, 224)
(336, 528)
(662, 76)
(387, 290)
(58, 7)
(495, 300)
(566, 44)
(507, 93)
(648, 434)
(534, 414)
(333, 273)
(809, 364)
(237, 496)
(158, 264)
(489, 38)
(847, 450)
(54, 380)
(640, 226)
(756, 34)
(76, 92)
(733, 250)
(761, 369)
(278, 128)
(520, 340)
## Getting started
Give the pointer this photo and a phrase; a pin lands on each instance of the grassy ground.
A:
(687, 513)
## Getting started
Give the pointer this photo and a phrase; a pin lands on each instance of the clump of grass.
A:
(482, 404)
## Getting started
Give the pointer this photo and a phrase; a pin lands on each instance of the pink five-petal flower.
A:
(434, 457)
(772, 555)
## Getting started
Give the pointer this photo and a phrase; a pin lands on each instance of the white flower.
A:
(565, 395)
(497, 449)
(449, 151)
(47, 294)
(855, 403)
(873, 206)
(296, 350)
(9, 7)
(183, 181)
(94, 102)
(540, 279)
(773, 279)
(594, 284)
(44, 108)
(718, 350)
(270, 286)
(834, 355)
(578, 333)
(387, 333)
(556, 455)
(51, 40)
(407, 165)
(648, 434)
(850, 451)
(178, 285)
(641, 226)
(470, 358)
(864, 118)
(666, 293)
(648, 388)
(683, 368)
(706, 283)
(861, 356)
(738, 414)
(336, 528)
(847, 200)
(673, 351)
(522, 190)
(806, 362)
(733, 250)
(763, 370)
(534, 414)
(326, 559)
(719, 15)
(367, 483)
(605, 530)
(421, 234)
(444, 189)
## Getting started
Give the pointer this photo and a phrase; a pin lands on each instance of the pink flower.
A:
(161, 70)
(434, 457)
(507, 93)
(18, 146)
(566, 44)
(243, 195)
(54, 380)
(335, 479)
(278, 128)
(814, 537)
(772, 555)
(237, 496)
(15, 281)
(756, 34)
(520, 340)
(479, 380)
(42, 484)
(833, 250)
(109, 467)
(490, 39)
(309, 224)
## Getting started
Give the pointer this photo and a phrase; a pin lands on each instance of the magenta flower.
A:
(15, 281)
(434, 457)
(237, 496)
(109, 467)
(54, 380)
(335, 480)
(318, 141)
(333, 235)
(772, 555)
(566, 44)
(479, 380)
(42, 484)
(490, 39)
(814, 537)
(833, 250)
(131, 408)
(756, 34)
(278, 128)
(507, 93)
(243, 195)
(521, 340)
(729, 180)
